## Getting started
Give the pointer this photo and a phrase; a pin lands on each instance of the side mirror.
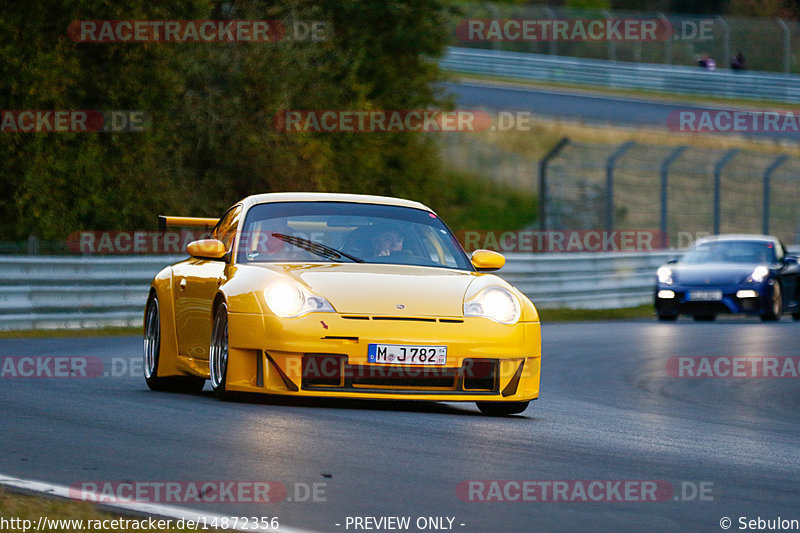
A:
(487, 260)
(790, 260)
(672, 261)
(206, 249)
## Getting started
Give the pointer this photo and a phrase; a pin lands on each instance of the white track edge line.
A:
(156, 510)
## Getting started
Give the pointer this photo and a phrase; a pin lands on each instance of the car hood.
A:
(392, 290)
(711, 273)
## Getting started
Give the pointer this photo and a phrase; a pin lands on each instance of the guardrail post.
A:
(667, 42)
(787, 45)
(33, 245)
(554, 151)
(676, 153)
(726, 43)
(552, 45)
(767, 176)
(612, 46)
(610, 162)
(495, 13)
(718, 186)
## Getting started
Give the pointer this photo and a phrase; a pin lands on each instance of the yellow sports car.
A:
(340, 295)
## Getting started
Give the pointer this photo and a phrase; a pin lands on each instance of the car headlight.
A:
(495, 303)
(759, 274)
(664, 275)
(288, 300)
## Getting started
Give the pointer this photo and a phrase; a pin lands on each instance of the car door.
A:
(195, 284)
(788, 273)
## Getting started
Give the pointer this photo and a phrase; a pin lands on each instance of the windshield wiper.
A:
(316, 248)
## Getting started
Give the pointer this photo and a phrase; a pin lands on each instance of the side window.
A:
(780, 251)
(227, 225)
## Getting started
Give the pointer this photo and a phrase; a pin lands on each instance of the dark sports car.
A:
(751, 274)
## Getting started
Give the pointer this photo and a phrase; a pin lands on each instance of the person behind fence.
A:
(707, 62)
(737, 62)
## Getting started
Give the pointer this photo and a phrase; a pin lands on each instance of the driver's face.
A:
(390, 241)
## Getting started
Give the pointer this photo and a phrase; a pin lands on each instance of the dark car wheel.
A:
(773, 314)
(218, 353)
(795, 316)
(502, 408)
(152, 351)
(704, 318)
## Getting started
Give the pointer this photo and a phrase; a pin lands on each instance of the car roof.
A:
(330, 197)
(738, 237)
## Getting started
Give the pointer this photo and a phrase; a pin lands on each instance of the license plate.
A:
(403, 354)
(705, 296)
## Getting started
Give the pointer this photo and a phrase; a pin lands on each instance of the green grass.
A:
(469, 202)
(32, 507)
(580, 315)
(93, 332)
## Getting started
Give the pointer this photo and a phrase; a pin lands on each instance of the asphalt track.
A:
(608, 411)
(586, 107)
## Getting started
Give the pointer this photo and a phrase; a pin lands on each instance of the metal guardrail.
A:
(586, 280)
(747, 85)
(56, 292)
(47, 292)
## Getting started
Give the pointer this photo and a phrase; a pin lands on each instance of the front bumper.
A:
(732, 301)
(325, 355)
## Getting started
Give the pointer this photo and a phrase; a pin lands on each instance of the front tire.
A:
(218, 353)
(773, 314)
(152, 355)
(502, 408)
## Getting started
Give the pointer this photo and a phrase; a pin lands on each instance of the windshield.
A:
(281, 232)
(745, 252)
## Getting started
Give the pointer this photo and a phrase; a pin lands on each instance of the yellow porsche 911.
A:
(340, 295)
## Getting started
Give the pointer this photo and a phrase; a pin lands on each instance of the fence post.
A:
(726, 43)
(495, 14)
(33, 245)
(554, 151)
(610, 162)
(552, 45)
(718, 186)
(667, 42)
(676, 153)
(612, 46)
(767, 176)
(787, 46)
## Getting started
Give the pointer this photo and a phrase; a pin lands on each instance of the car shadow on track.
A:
(413, 406)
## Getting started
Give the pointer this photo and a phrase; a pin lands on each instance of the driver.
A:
(388, 242)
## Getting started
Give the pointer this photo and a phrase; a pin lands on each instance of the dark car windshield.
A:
(283, 232)
(745, 252)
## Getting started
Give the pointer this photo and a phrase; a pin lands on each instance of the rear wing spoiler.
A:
(190, 222)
